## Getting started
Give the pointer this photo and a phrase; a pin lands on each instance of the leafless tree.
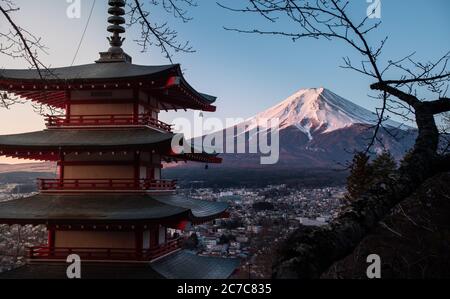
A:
(160, 35)
(311, 251)
(445, 133)
(17, 42)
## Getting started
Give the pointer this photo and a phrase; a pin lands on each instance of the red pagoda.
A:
(109, 203)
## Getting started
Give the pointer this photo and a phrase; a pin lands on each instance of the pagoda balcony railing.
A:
(105, 254)
(105, 185)
(106, 121)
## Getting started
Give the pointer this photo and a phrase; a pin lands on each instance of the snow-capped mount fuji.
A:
(319, 128)
(318, 111)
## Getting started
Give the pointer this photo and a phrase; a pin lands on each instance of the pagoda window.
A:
(155, 114)
(144, 173)
(142, 109)
(162, 235)
(157, 174)
(146, 240)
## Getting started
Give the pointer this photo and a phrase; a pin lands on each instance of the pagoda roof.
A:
(51, 271)
(45, 145)
(179, 265)
(72, 209)
(48, 86)
(82, 138)
(200, 208)
(186, 265)
(93, 71)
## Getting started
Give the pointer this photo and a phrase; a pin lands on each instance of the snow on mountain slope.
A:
(315, 111)
(318, 129)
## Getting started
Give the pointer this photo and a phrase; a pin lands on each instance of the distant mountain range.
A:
(46, 167)
(24, 176)
(320, 129)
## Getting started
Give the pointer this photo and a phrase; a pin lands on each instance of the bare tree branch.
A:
(18, 43)
(311, 251)
(21, 43)
(164, 38)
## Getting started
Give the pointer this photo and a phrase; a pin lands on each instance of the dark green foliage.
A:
(364, 173)
(383, 166)
(360, 176)
(413, 241)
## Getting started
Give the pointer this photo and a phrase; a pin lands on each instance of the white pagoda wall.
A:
(147, 104)
(112, 240)
(101, 109)
(96, 157)
(162, 235)
(82, 170)
(99, 172)
(85, 239)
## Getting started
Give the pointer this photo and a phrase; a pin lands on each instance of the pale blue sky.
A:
(248, 73)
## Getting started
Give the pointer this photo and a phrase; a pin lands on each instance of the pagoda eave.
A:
(53, 88)
(189, 266)
(52, 144)
(108, 211)
(54, 141)
(171, 98)
(174, 222)
(201, 157)
(107, 200)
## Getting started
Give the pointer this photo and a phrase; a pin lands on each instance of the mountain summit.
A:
(319, 110)
(318, 128)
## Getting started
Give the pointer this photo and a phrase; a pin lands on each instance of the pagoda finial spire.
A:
(115, 52)
(116, 20)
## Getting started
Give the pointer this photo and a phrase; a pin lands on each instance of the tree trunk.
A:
(311, 251)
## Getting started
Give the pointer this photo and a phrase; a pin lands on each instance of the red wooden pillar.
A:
(61, 170)
(136, 106)
(150, 168)
(167, 235)
(139, 242)
(68, 106)
(137, 168)
(51, 240)
(61, 165)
